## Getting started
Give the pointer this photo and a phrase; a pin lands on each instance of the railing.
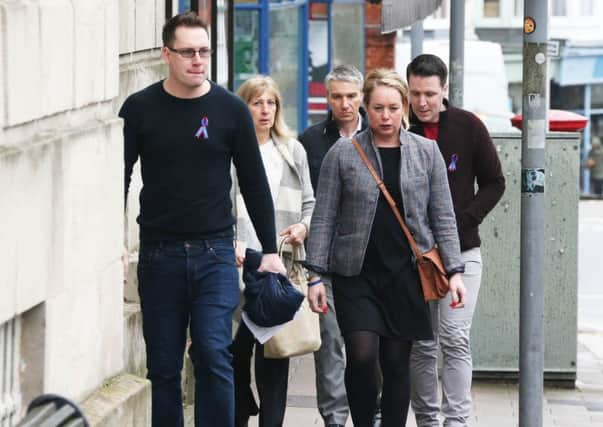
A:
(9, 390)
(50, 410)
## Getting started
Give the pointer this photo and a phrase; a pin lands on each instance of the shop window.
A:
(318, 61)
(184, 5)
(284, 59)
(246, 45)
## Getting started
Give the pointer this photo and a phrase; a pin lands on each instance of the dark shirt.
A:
(318, 140)
(470, 157)
(186, 147)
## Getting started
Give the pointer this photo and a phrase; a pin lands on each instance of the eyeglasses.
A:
(190, 53)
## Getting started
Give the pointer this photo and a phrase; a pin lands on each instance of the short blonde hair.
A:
(389, 78)
(256, 86)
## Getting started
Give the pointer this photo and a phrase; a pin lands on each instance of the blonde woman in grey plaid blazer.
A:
(354, 236)
(286, 166)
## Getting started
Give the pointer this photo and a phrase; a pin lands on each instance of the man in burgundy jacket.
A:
(477, 184)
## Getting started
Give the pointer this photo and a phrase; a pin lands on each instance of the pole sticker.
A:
(529, 25)
(532, 180)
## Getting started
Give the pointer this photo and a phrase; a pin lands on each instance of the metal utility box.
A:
(495, 330)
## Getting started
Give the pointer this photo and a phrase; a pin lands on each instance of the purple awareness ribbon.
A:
(454, 159)
(203, 129)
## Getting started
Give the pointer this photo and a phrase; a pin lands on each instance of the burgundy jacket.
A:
(470, 157)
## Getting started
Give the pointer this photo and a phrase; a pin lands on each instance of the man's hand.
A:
(239, 253)
(457, 290)
(317, 298)
(295, 233)
(273, 264)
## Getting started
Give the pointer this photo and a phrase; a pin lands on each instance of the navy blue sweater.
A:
(186, 147)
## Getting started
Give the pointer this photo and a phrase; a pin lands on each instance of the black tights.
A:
(364, 351)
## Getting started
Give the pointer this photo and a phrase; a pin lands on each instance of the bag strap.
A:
(389, 198)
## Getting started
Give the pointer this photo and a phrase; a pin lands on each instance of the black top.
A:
(387, 241)
(186, 147)
(386, 296)
(318, 140)
(470, 157)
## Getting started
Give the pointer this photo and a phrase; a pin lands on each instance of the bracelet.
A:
(315, 282)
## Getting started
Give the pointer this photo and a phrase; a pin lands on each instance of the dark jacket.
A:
(318, 139)
(471, 158)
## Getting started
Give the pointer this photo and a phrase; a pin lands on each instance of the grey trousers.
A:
(451, 329)
(329, 363)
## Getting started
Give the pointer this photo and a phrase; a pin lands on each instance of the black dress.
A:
(386, 297)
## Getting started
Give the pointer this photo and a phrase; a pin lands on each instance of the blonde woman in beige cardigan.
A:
(286, 166)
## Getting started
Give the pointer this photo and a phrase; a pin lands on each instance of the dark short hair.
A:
(188, 19)
(427, 65)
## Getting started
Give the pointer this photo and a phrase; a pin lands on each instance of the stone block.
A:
(159, 21)
(134, 349)
(84, 322)
(26, 239)
(56, 47)
(131, 285)
(84, 335)
(188, 380)
(90, 53)
(145, 24)
(22, 78)
(123, 401)
(3, 60)
(112, 48)
(127, 26)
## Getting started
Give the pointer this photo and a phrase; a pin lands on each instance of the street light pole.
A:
(457, 52)
(416, 39)
(534, 127)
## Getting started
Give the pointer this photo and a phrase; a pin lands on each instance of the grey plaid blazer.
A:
(346, 202)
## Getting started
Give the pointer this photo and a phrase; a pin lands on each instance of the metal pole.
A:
(457, 52)
(416, 39)
(586, 139)
(535, 125)
(214, 39)
(230, 43)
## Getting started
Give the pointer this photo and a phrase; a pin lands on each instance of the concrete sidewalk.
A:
(494, 404)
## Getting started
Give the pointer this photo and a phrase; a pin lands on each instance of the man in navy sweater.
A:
(186, 130)
(471, 159)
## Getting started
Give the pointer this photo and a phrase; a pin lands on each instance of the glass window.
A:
(246, 45)
(559, 8)
(491, 8)
(318, 61)
(184, 5)
(284, 58)
(348, 46)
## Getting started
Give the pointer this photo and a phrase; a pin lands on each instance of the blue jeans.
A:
(197, 282)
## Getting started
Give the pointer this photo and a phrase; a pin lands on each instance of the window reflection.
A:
(284, 58)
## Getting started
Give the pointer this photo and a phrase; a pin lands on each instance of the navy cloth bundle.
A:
(270, 298)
